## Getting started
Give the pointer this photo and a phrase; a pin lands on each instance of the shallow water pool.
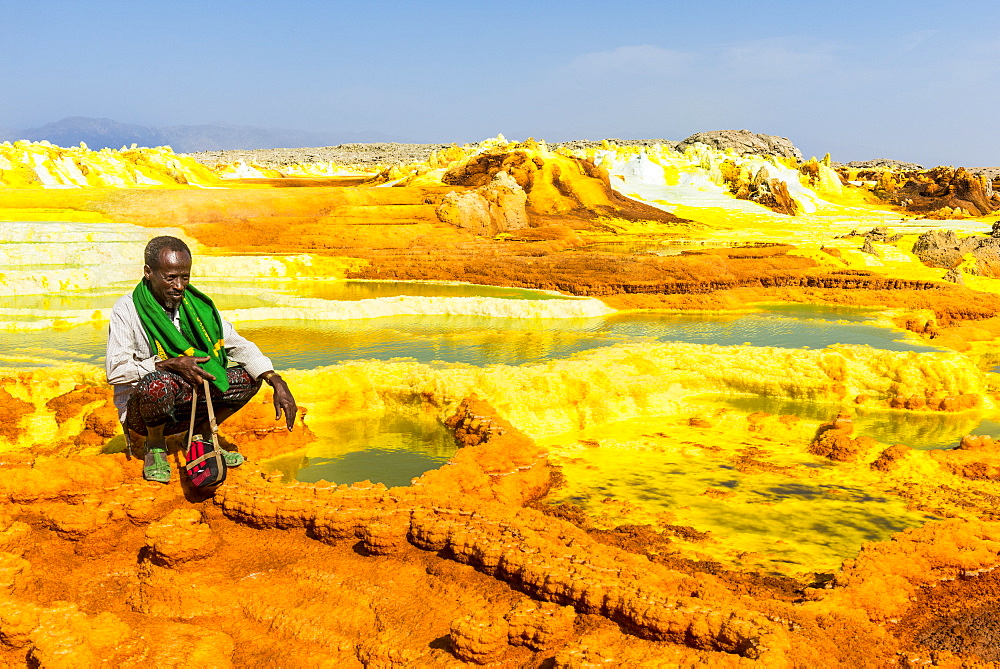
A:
(389, 449)
(921, 430)
(482, 340)
(790, 524)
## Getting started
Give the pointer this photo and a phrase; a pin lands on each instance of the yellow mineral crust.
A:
(596, 387)
(43, 165)
(244, 170)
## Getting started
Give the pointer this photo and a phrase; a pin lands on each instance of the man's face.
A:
(169, 281)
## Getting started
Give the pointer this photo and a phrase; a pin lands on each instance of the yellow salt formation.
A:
(244, 170)
(43, 165)
(561, 397)
(553, 401)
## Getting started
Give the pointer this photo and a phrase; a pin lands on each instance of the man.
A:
(164, 339)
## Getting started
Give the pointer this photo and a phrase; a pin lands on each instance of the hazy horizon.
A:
(858, 80)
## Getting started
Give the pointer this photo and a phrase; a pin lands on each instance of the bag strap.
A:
(211, 411)
(216, 452)
(194, 402)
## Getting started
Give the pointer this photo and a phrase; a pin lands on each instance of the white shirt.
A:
(130, 357)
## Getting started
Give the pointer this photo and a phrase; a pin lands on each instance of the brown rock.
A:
(833, 440)
(759, 188)
(498, 206)
(977, 443)
(540, 626)
(381, 538)
(744, 142)
(887, 459)
(941, 192)
(479, 639)
(179, 537)
(12, 410)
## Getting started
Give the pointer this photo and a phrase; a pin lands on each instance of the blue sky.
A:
(917, 81)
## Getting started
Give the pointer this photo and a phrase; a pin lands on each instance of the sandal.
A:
(232, 458)
(155, 466)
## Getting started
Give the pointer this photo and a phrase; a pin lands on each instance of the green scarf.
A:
(200, 334)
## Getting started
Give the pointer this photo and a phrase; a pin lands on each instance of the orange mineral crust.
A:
(286, 570)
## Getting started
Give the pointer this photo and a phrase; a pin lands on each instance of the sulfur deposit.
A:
(606, 499)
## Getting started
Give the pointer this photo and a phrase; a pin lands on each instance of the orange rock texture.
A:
(12, 410)
(453, 569)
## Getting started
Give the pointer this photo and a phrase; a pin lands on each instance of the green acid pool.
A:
(481, 340)
(390, 449)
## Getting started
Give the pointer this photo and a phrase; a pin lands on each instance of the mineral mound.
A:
(744, 141)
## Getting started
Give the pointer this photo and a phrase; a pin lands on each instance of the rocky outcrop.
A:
(539, 626)
(889, 459)
(559, 188)
(641, 598)
(544, 557)
(975, 458)
(744, 142)
(498, 206)
(944, 249)
(878, 163)
(833, 440)
(12, 411)
(938, 193)
(759, 187)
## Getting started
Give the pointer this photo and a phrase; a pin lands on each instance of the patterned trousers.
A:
(164, 398)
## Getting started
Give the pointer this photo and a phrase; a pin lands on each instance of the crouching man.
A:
(165, 337)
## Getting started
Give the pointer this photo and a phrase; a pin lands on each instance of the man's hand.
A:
(186, 367)
(283, 400)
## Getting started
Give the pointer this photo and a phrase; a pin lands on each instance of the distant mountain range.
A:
(99, 133)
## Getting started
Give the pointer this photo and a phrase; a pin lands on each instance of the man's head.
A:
(168, 269)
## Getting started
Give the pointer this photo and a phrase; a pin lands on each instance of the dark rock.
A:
(868, 247)
(954, 275)
(883, 162)
(937, 193)
(745, 142)
(940, 248)
(944, 249)
(578, 144)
